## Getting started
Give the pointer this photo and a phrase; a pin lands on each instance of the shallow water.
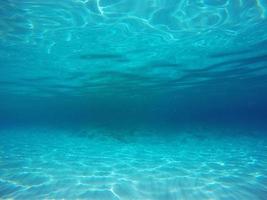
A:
(133, 99)
(203, 164)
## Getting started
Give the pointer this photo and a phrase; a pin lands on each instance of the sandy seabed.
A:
(97, 164)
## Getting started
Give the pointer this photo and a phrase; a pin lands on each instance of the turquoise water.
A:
(133, 99)
(40, 163)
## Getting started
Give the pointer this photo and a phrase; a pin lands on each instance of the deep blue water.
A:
(133, 99)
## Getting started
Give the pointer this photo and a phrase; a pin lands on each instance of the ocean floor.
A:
(98, 164)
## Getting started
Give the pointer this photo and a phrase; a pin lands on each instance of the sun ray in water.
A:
(133, 99)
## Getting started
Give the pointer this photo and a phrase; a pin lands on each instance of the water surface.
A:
(133, 99)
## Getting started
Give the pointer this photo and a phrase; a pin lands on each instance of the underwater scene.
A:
(133, 99)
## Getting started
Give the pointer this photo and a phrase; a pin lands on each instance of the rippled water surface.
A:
(84, 47)
(133, 99)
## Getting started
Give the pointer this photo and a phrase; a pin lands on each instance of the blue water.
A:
(133, 99)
